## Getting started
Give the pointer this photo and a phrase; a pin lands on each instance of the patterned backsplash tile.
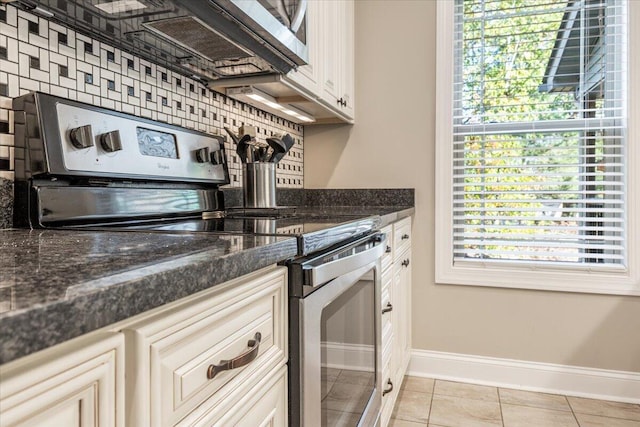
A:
(40, 55)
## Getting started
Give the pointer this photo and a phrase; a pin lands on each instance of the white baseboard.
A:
(602, 384)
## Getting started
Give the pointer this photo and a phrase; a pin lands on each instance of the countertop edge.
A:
(86, 312)
(404, 212)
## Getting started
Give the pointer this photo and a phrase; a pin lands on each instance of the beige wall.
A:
(392, 146)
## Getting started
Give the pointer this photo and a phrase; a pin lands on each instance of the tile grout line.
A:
(433, 392)
(500, 405)
(572, 411)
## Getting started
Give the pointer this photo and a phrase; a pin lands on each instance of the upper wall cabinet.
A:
(336, 56)
(322, 90)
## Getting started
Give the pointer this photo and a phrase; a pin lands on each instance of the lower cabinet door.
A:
(76, 384)
(404, 288)
(267, 407)
(78, 409)
(388, 399)
(402, 312)
(203, 350)
(259, 404)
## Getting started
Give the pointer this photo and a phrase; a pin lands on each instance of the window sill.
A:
(537, 278)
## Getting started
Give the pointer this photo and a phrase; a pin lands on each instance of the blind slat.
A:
(547, 237)
(551, 184)
(516, 217)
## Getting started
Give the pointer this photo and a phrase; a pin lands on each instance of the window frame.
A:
(529, 275)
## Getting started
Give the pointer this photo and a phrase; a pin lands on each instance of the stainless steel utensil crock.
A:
(259, 183)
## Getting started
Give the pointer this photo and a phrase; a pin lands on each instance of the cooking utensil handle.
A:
(232, 135)
(237, 362)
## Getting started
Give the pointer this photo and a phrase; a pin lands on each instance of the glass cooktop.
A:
(293, 226)
(314, 232)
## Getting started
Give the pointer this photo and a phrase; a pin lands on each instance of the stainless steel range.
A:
(80, 166)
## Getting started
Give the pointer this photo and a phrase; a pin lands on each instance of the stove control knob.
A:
(82, 137)
(217, 157)
(110, 141)
(202, 155)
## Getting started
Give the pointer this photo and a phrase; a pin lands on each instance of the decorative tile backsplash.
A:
(40, 55)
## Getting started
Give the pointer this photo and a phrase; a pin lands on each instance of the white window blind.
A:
(539, 132)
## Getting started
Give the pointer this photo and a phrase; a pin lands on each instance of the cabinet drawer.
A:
(386, 277)
(387, 257)
(261, 403)
(388, 399)
(401, 237)
(80, 383)
(387, 343)
(387, 410)
(386, 323)
(181, 348)
(385, 289)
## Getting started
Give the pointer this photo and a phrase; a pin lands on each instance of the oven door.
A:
(335, 359)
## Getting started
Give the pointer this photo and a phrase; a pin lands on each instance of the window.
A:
(534, 184)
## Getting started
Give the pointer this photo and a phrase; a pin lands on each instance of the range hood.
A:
(206, 39)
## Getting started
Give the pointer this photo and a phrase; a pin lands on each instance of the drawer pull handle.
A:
(237, 362)
(405, 263)
(390, 389)
(388, 308)
(404, 237)
(388, 250)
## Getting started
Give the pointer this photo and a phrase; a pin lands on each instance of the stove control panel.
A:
(101, 141)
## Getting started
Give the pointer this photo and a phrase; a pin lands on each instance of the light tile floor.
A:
(436, 403)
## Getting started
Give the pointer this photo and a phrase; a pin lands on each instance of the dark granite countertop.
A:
(56, 285)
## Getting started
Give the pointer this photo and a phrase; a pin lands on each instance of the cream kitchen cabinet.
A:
(264, 404)
(396, 312)
(79, 383)
(197, 361)
(388, 338)
(337, 56)
(325, 87)
(329, 77)
(402, 292)
(215, 358)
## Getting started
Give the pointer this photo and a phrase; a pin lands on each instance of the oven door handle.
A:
(323, 272)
